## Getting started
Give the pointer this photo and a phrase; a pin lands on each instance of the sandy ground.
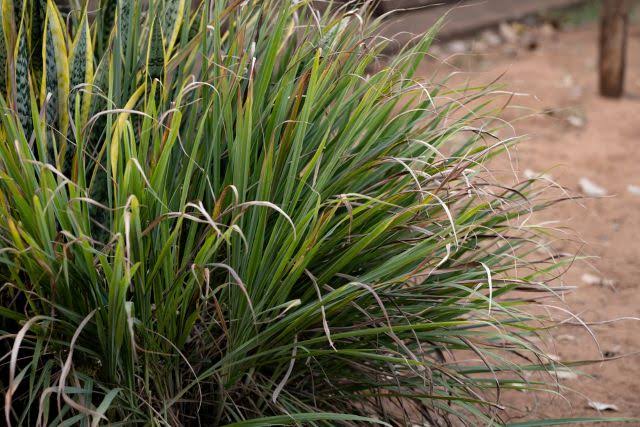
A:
(585, 136)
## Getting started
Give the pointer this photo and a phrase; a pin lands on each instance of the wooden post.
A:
(613, 46)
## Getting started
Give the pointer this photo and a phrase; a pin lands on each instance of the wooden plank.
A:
(614, 32)
(389, 5)
(464, 17)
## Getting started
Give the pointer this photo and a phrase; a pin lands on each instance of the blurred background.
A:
(571, 75)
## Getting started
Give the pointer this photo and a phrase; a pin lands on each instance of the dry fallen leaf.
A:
(591, 189)
(508, 32)
(457, 46)
(612, 352)
(634, 189)
(576, 121)
(554, 357)
(599, 406)
(531, 174)
(590, 279)
(491, 38)
(564, 374)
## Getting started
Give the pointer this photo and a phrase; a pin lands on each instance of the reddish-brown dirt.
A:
(585, 136)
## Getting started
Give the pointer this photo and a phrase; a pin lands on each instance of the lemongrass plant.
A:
(231, 213)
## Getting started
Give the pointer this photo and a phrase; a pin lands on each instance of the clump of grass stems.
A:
(229, 213)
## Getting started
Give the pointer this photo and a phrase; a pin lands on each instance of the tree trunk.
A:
(613, 46)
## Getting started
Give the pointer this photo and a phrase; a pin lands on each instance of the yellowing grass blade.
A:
(8, 24)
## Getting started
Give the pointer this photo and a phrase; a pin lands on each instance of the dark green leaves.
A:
(22, 94)
(107, 20)
(3, 58)
(155, 62)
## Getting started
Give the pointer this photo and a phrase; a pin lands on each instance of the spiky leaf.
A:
(108, 18)
(81, 61)
(3, 59)
(173, 17)
(21, 86)
(55, 80)
(18, 9)
(124, 22)
(38, 10)
(155, 57)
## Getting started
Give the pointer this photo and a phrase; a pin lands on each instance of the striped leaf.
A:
(18, 8)
(155, 56)
(3, 59)
(173, 16)
(50, 81)
(98, 190)
(81, 63)
(124, 22)
(108, 9)
(37, 11)
(56, 77)
(22, 95)
(99, 91)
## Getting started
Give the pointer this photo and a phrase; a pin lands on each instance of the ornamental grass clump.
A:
(240, 213)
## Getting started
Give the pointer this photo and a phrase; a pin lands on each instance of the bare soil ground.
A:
(572, 134)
